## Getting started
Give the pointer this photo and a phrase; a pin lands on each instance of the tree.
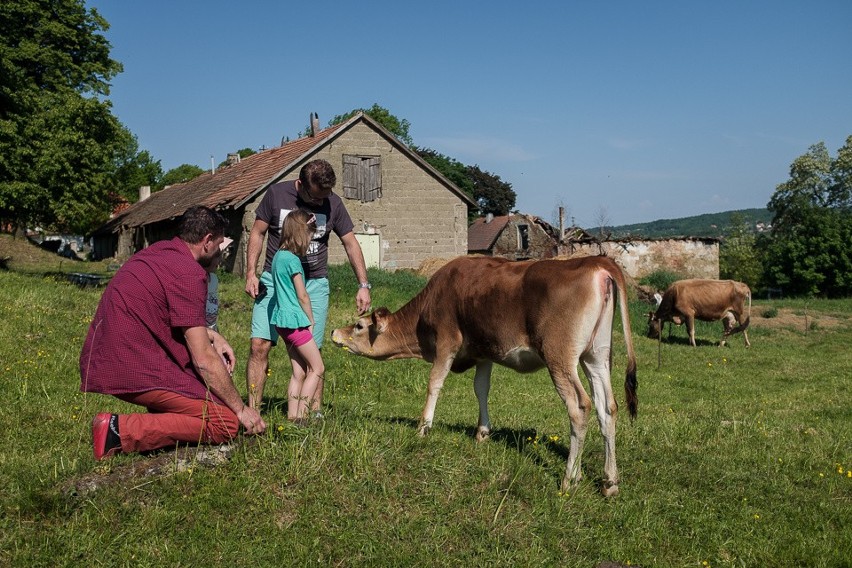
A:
(450, 168)
(810, 249)
(492, 194)
(134, 170)
(59, 142)
(738, 255)
(181, 174)
(396, 126)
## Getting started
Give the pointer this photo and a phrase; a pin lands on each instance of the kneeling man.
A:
(149, 344)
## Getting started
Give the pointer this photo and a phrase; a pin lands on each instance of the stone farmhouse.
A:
(404, 210)
(515, 236)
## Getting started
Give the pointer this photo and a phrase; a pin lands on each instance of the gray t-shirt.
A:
(280, 199)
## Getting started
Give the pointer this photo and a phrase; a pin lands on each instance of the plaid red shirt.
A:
(135, 341)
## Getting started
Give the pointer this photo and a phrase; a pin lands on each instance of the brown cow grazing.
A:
(707, 300)
(524, 315)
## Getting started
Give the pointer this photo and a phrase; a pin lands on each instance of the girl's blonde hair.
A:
(298, 229)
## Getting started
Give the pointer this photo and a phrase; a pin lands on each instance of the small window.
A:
(523, 237)
(362, 177)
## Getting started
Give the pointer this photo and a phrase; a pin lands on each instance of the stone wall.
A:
(686, 257)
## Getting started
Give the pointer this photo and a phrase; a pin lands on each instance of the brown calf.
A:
(525, 316)
(707, 300)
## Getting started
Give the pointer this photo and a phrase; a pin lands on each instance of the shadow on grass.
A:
(522, 441)
(699, 342)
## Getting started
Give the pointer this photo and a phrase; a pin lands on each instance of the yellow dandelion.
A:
(280, 428)
(840, 470)
(821, 474)
(709, 364)
(849, 473)
(756, 517)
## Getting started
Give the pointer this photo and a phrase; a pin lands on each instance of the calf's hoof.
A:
(423, 430)
(609, 489)
(482, 434)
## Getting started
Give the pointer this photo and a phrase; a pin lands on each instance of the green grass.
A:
(739, 457)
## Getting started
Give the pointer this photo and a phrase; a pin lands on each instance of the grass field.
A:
(739, 457)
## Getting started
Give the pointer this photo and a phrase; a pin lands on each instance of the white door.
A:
(370, 248)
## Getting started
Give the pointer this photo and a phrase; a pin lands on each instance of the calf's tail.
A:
(630, 383)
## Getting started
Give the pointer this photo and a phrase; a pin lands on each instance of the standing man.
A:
(148, 344)
(312, 191)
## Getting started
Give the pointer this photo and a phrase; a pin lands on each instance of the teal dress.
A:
(287, 313)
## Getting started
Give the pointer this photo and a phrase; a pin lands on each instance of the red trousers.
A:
(173, 418)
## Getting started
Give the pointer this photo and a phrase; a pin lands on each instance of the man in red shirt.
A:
(149, 344)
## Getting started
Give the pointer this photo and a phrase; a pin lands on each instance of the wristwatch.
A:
(366, 285)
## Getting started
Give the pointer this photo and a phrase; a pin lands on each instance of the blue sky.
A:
(623, 110)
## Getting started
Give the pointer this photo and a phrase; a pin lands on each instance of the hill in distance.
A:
(707, 225)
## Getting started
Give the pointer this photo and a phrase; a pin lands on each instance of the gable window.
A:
(362, 177)
(523, 237)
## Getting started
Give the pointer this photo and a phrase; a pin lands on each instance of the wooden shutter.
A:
(362, 177)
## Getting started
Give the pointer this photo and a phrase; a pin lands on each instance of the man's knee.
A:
(260, 348)
(222, 427)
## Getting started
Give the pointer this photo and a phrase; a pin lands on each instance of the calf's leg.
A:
(439, 372)
(596, 365)
(690, 325)
(567, 382)
(481, 386)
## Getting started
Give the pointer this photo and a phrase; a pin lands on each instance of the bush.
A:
(770, 312)
(660, 279)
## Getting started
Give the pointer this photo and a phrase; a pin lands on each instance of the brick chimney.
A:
(314, 124)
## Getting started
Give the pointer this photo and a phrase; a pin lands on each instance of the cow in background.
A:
(524, 315)
(707, 300)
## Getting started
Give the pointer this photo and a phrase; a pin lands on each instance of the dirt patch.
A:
(139, 471)
(786, 318)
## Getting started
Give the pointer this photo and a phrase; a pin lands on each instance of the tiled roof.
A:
(482, 235)
(226, 188)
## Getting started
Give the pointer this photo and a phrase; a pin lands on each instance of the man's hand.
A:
(252, 285)
(251, 420)
(362, 300)
(224, 349)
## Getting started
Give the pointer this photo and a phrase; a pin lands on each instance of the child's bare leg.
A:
(310, 355)
(295, 406)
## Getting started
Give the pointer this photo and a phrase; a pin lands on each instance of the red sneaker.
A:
(100, 435)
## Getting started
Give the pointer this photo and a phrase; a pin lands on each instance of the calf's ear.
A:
(380, 319)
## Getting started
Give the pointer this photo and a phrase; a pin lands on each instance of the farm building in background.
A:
(688, 257)
(516, 237)
(404, 210)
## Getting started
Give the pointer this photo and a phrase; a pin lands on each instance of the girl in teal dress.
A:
(292, 314)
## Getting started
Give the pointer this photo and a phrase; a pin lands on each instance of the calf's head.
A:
(654, 326)
(364, 336)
